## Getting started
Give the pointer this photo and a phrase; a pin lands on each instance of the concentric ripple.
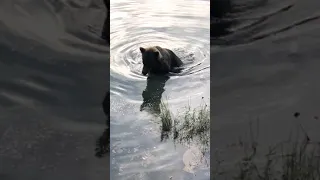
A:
(183, 27)
(126, 58)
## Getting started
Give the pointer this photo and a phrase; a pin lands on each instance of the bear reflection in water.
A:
(103, 142)
(105, 34)
(153, 93)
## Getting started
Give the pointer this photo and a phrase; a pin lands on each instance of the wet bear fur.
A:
(158, 60)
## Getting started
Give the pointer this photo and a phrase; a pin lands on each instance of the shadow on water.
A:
(153, 93)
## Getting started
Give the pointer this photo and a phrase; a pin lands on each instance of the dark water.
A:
(264, 64)
(136, 148)
(54, 75)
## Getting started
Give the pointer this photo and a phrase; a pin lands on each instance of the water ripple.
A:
(183, 27)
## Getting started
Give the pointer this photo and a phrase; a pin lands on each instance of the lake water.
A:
(137, 151)
(264, 64)
(54, 75)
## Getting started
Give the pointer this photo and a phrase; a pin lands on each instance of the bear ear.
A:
(142, 50)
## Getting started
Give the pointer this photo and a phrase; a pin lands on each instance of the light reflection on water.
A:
(182, 26)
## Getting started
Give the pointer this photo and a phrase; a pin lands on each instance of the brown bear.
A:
(157, 60)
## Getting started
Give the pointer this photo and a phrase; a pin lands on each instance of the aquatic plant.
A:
(166, 117)
(190, 127)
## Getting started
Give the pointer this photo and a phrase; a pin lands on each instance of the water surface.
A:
(54, 74)
(182, 26)
(265, 64)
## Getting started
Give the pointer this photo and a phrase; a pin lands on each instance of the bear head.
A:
(151, 59)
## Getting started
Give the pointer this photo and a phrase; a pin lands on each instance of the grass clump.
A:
(166, 117)
(288, 160)
(193, 125)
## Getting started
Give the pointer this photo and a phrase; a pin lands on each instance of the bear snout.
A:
(145, 70)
